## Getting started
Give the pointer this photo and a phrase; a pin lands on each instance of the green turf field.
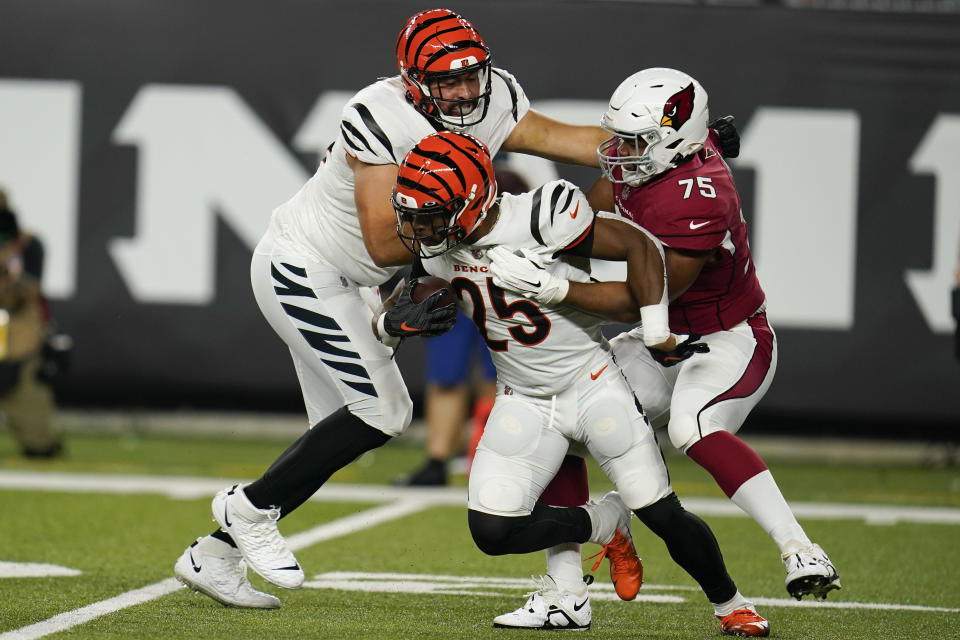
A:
(899, 576)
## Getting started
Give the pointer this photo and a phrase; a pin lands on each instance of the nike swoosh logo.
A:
(194, 563)
(226, 516)
(407, 327)
(293, 567)
(594, 376)
(577, 607)
(702, 224)
(573, 214)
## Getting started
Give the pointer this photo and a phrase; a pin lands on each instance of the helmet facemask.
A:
(444, 226)
(454, 113)
(635, 169)
(662, 112)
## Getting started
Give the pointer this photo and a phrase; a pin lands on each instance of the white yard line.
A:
(188, 488)
(341, 527)
(487, 586)
(70, 619)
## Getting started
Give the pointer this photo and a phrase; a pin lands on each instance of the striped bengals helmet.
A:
(444, 188)
(439, 44)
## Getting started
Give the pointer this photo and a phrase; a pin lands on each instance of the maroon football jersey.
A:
(696, 206)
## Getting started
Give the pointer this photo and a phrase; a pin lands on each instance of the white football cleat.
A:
(810, 572)
(549, 608)
(214, 568)
(256, 534)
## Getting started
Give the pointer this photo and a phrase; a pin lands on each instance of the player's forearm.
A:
(579, 146)
(646, 276)
(542, 136)
(387, 250)
(612, 300)
(647, 280)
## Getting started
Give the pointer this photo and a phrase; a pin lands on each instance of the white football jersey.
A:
(538, 350)
(378, 126)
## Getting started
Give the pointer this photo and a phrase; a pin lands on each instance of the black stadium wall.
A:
(147, 142)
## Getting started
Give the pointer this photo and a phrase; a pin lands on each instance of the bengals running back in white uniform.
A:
(557, 382)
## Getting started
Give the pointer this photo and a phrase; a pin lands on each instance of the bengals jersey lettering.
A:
(696, 207)
(538, 350)
(378, 126)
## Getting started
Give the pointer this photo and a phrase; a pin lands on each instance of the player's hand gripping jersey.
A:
(696, 207)
(378, 126)
(537, 350)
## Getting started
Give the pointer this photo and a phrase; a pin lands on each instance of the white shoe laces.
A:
(268, 535)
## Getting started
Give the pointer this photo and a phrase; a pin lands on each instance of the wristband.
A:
(382, 335)
(656, 324)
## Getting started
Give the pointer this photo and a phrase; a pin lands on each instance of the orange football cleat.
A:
(626, 568)
(745, 623)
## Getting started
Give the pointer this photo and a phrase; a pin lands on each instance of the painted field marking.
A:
(418, 583)
(341, 527)
(34, 570)
(190, 488)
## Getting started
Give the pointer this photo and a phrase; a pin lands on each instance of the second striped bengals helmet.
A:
(445, 187)
(436, 45)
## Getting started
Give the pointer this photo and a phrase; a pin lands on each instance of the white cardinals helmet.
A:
(657, 117)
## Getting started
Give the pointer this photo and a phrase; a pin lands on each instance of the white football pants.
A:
(708, 392)
(322, 317)
(527, 437)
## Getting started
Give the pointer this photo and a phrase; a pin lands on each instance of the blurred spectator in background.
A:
(450, 393)
(26, 368)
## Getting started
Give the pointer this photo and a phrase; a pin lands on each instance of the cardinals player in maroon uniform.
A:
(663, 170)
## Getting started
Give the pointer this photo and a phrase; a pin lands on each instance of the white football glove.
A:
(525, 272)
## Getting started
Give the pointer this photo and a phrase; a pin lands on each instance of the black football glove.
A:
(408, 318)
(681, 352)
(729, 136)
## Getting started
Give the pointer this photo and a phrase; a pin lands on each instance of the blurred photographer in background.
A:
(30, 353)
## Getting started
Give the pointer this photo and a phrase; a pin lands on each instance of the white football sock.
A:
(565, 567)
(761, 499)
(736, 602)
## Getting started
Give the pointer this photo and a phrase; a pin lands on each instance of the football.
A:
(427, 285)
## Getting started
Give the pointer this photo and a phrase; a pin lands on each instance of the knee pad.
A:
(397, 416)
(392, 409)
(489, 532)
(643, 487)
(500, 494)
(684, 430)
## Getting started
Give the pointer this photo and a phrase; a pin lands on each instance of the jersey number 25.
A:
(504, 311)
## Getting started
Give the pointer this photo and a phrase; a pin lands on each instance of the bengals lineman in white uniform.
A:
(663, 170)
(557, 381)
(324, 248)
